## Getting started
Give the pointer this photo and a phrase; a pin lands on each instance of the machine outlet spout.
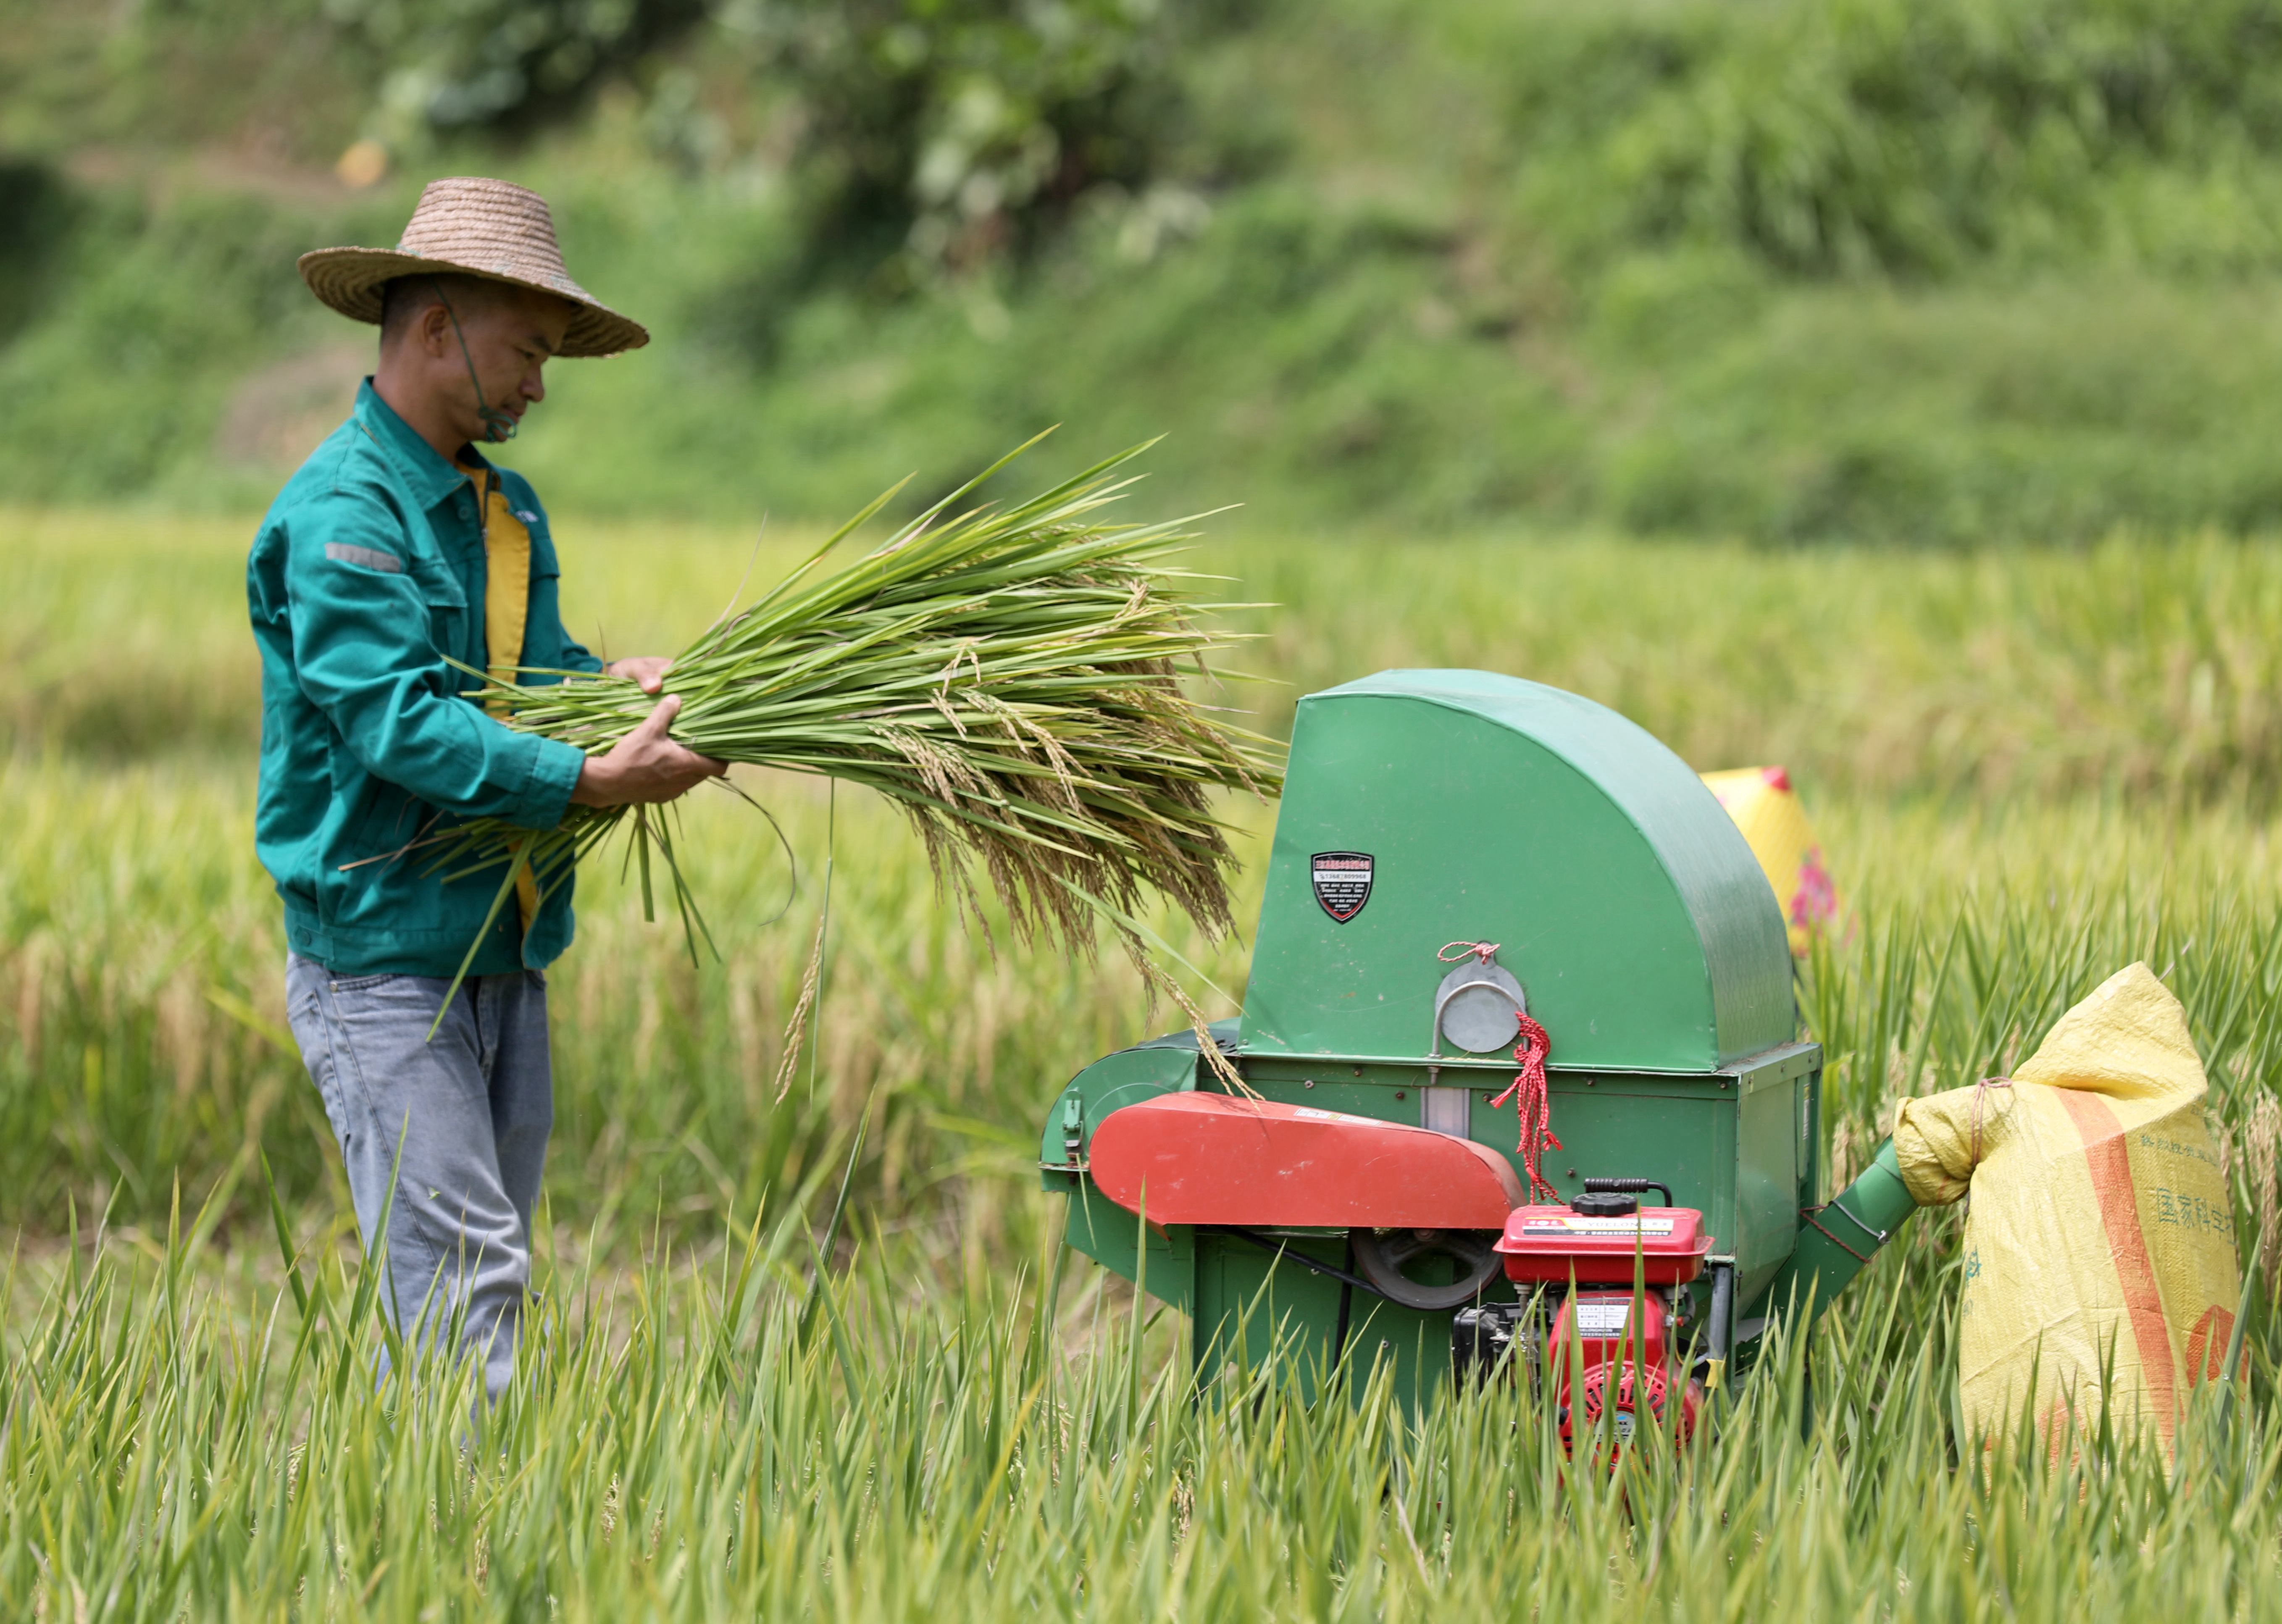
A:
(1837, 1242)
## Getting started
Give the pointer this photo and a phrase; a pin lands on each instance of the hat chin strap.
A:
(498, 428)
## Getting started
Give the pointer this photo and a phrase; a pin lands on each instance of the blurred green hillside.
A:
(1952, 271)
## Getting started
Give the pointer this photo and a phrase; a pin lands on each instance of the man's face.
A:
(510, 333)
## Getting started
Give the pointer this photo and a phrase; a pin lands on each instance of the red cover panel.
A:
(1217, 1159)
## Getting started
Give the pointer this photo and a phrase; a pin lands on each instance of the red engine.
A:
(1601, 1360)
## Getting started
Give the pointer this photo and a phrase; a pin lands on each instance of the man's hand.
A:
(645, 768)
(646, 671)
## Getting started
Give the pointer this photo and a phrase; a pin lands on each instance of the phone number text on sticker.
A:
(1603, 1318)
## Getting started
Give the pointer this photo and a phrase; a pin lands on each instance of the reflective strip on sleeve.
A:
(370, 557)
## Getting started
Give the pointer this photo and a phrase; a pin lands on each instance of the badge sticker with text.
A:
(1342, 882)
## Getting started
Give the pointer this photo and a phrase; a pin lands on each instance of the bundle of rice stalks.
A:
(1008, 676)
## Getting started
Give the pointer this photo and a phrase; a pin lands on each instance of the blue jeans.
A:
(471, 1111)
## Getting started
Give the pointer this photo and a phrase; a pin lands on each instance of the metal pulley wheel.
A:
(1383, 1257)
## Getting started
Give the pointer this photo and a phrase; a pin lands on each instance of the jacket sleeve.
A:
(360, 603)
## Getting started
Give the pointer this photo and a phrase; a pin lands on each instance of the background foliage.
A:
(1789, 270)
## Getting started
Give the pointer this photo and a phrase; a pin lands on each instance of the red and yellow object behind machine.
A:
(1766, 809)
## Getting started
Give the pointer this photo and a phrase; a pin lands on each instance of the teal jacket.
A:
(367, 570)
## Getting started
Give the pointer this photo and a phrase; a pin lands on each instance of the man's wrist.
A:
(596, 785)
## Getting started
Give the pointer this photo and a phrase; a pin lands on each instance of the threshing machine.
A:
(1515, 970)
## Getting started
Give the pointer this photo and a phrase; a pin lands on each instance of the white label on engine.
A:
(1600, 1227)
(1603, 1318)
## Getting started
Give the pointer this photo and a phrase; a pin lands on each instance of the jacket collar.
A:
(431, 477)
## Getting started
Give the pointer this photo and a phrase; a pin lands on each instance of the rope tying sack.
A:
(1533, 1105)
(1980, 1108)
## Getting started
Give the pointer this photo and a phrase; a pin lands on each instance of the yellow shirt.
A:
(507, 604)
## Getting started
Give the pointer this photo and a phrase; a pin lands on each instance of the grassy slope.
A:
(1792, 270)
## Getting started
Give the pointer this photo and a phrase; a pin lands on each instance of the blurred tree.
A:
(942, 135)
(1912, 138)
(934, 136)
(34, 219)
(508, 66)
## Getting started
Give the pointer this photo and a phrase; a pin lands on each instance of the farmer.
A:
(396, 550)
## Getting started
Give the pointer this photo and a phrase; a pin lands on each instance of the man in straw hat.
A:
(393, 566)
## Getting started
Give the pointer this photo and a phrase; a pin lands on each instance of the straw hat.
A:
(475, 228)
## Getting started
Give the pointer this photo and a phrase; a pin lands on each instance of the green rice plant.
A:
(733, 1434)
(1008, 677)
(190, 1428)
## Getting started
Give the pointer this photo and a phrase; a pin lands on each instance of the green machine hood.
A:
(1423, 808)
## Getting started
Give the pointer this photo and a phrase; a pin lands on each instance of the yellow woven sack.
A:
(2099, 1225)
(1766, 809)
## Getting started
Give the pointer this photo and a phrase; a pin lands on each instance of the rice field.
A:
(2028, 768)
